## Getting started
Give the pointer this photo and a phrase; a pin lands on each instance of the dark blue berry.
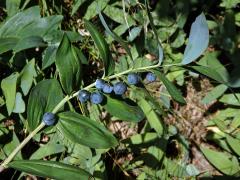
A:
(99, 84)
(107, 88)
(49, 119)
(120, 88)
(151, 77)
(96, 98)
(83, 96)
(133, 78)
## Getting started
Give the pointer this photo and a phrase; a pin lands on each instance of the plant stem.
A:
(67, 98)
(58, 106)
(20, 146)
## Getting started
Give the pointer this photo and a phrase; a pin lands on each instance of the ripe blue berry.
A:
(83, 96)
(49, 119)
(151, 77)
(96, 98)
(107, 88)
(99, 84)
(120, 88)
(133, 78)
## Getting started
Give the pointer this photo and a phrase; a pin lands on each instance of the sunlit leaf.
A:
(222, 161)
(50, 169)
(82, 130)
(102, 47)
(43, 98)
(8, 86)
(125, 110)
(68, 65)
(198, 40)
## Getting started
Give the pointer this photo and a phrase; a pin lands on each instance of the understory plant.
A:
(68, 78)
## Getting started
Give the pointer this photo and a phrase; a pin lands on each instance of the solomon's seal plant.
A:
(80, 140)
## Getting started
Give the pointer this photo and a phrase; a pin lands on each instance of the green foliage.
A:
(49, 51)
(85, 131)
(8, 86)
(68, 65)
(224, 162)
(124, 109)
(50, 169)
(102, 47)
(198, 40)
(40, 102)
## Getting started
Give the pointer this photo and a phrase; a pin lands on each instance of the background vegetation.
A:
(183, 126)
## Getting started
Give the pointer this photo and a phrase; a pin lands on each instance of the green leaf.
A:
(210, 60)
(173, 91)
(76, 5)
(19, 106)
(27, 75)
(123, 65)
(29, 42)
(175, 169)
(198, 40)
(142, 62)
(12, 7)
(182, 12)
(157, 151)
(49, 56)
(210, 72)
(139, 139)
(232, 99)
(92, 8)
(43, 98)
(119, 30)
(236, 121)
(125, 110)
(68, 65)
(152, 117)
(117, 15)
(222, 161)
(8, 86)
(81, 56)
(234, 144)
(47, 150)
(50, 169)
(9, 147)
(192, 170)
(7, 44)
(214, 94)
(82, 130)
(42, 27)
(29, 23)
(221, 124)
(134, 33)
(160, 50)
(179, 40)
(20, 20)
(229, 3)
(115, 36)
(102, 47)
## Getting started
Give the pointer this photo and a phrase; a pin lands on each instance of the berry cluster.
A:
(97, 97)
(134, 78)
(118, 88)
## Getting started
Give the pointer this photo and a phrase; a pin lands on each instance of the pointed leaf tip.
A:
(198, 40)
